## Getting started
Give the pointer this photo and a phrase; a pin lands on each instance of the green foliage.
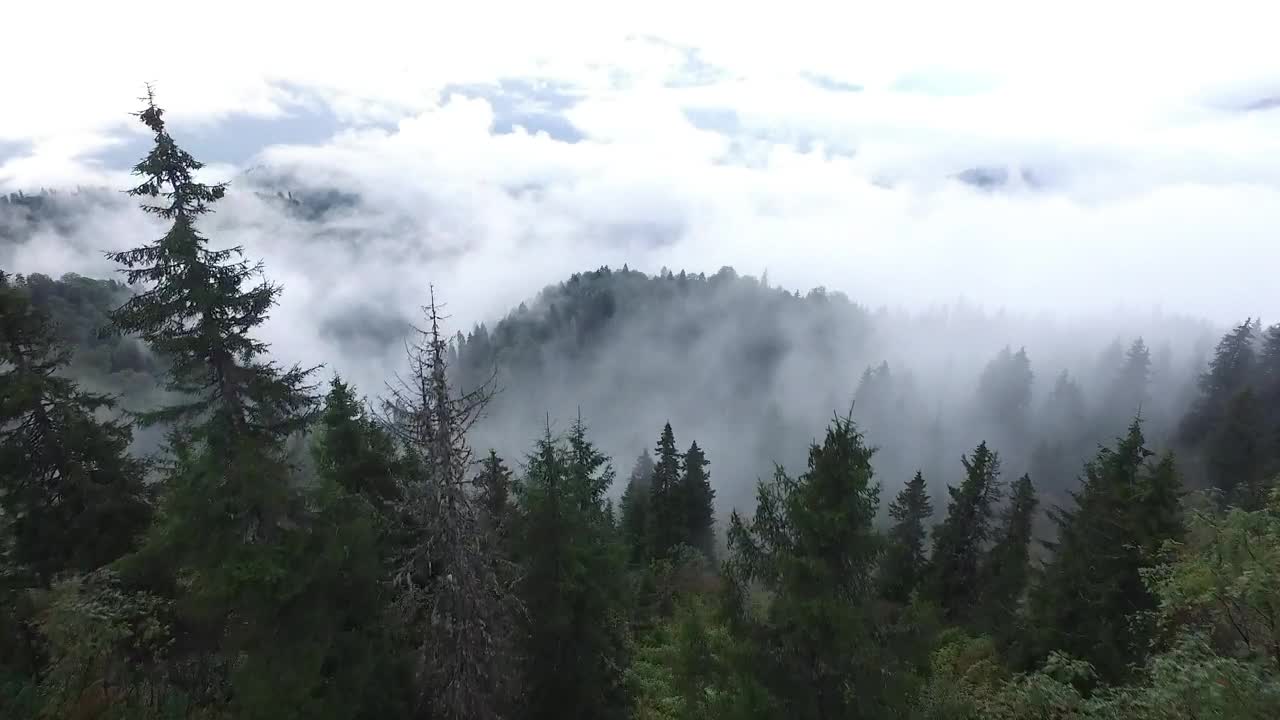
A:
(684, 669)
(1229, 372)
(573, 582)
(1006, 570)
(495, 485)
(74, 498)
(352, 450)
(196, 312)
(699, 500)
(959, 542)
(108, 647)
(635, 510)
(1236, 452)
(1093, 603)
(812, 546)
(1188, 682)
(667, 509)
(904, 565)
(1227, 573)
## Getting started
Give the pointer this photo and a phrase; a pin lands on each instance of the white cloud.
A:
(1160, 192)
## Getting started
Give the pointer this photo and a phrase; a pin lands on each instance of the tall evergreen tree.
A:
(959, 542)
(1006, 569)
(1093, 602)
(1269, 397)
(667, 509)
(73, 497)
(1129, 391)
(1004, 391)
(904, 564)
(450, 598)
(699, 500)
(1064, 409)
(1236, 452)
(238, 540)
(635, 508)
(197, 311)
(354, 451)
(812, 545)
(573, 583)
(495, 485)
(1230, 370)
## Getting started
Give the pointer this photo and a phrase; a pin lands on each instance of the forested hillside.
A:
(836, 512)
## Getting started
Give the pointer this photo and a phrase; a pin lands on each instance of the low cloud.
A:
(1048, 183)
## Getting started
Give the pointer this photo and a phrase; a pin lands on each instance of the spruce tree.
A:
(1004, 391)
(197, 311)
(494, 486)
(959, 542)
(359, 477)
(1235, 452)
(73, 497)
(699, 498)
(667, 509)
(573, 583)
(1230, 370)
(354, 451)
(1006, 569)
(1269, 398)
(1064, 409)
(904, 564)
(1093, 602)
(1129, 391)
(812, 546)
(635, 507)
(238, 541)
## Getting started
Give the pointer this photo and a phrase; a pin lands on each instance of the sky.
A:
(1076, 160)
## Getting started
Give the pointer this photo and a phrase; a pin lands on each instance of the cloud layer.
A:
(1077, 164)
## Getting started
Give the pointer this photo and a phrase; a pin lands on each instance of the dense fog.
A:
(750, 368)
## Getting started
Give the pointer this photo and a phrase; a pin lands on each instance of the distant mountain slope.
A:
(753, 372)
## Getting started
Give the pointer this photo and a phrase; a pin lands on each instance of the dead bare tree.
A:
(448, 594)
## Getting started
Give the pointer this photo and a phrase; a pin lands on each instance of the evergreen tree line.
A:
(292, 554)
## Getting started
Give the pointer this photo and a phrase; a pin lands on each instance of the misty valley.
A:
(671, 495)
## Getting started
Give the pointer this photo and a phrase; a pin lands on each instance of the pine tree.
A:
(1235, 452)
(958, 543)
(197, 312)
(1230, 370)
(354, 451)
(1006, 568)
(573, 583)
(904, 564)
(636, 500)
(1004, 390)
(1269, 398)
(1093, 602)
(812, 545)
(1065, 408)
(359, 476)
(449, 597)
(698, 497)
(73, 497)
(495, 485)
(239, 540)
(667, 516)
(1129, 391)
(237, 409)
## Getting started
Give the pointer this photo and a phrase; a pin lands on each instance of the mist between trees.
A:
(823, 510)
